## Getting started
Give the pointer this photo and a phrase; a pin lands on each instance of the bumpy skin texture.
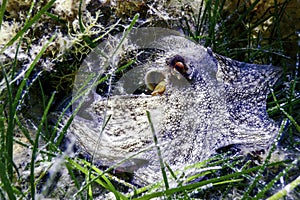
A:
(212, 103)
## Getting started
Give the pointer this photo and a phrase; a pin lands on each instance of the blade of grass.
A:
(161, 162)
(7, 185)
(87, 91)
(115, 166)
(2, 129)
(44, 105)
(200, 20)
(111, 177)
(48, 153)
(98, 171)
(24, 130)
(107, 184)
(278, 11)
(2, 196)
(238, 22)
(81, 93)
(73, 177)
(194, 186)
(28, 24)
(130, 27)
(213, 17)
(35, 147)
(14, 65)
(107, 32)
(293, 102)
(105, 120)
(2, 10)
(264, 165)
(81, 25)
(13, 105)
(260, 195)
(287, 189)
(56, 18)
(202, 173)
(203, 164)
(90, 167)
(294, 122)
(28, 72)
(173, 174)
(8, 133)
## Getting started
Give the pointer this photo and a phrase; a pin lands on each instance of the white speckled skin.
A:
(218, 102)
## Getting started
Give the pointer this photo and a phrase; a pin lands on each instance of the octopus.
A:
(197, 102)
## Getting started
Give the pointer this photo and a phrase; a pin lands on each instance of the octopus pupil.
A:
(179, 66)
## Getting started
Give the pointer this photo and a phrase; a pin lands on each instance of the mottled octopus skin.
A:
(217, 102)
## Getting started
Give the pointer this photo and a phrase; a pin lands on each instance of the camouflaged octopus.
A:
(200, 102)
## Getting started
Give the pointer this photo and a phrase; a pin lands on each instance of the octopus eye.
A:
(179, 66)
(178, 63)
